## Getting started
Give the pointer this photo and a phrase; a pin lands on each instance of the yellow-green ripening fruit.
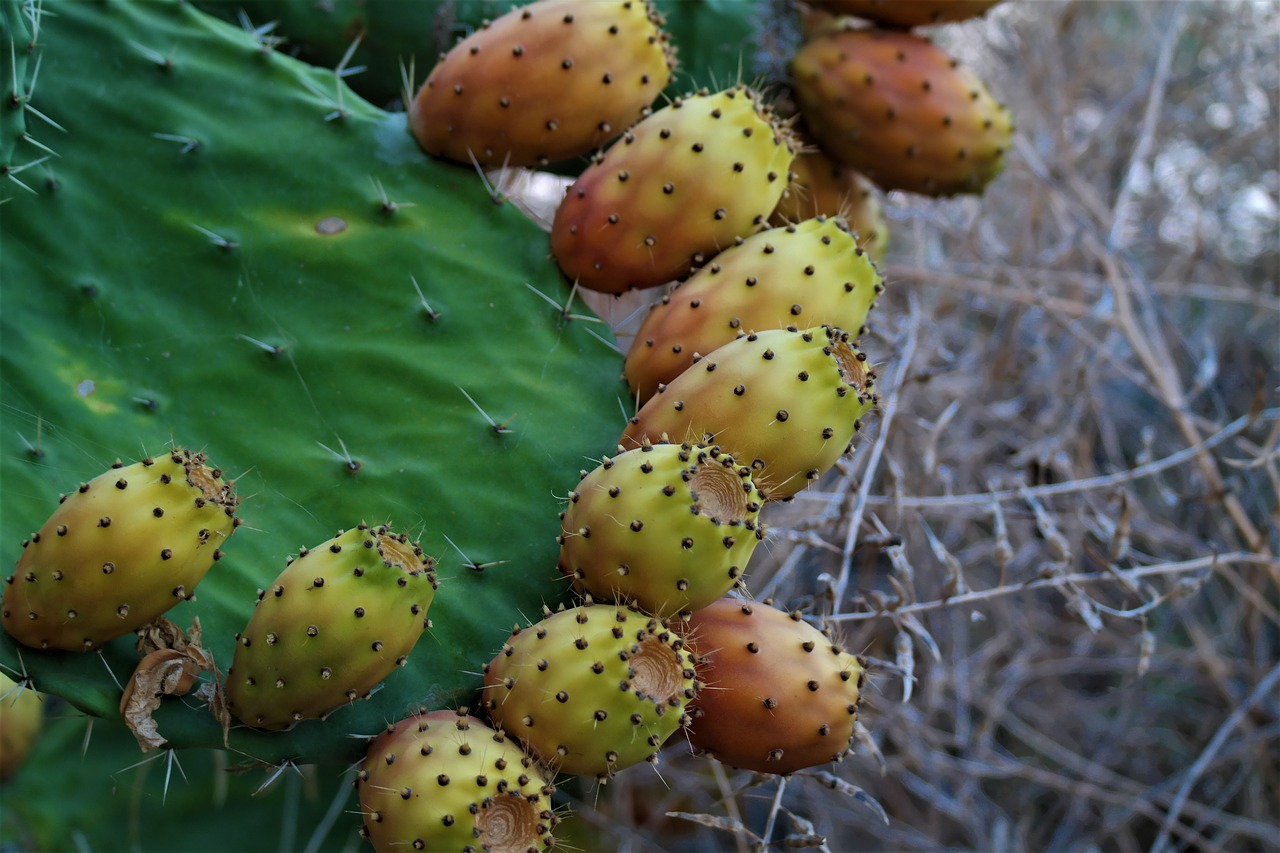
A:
(666, 528)
(680, 186)
(119, 551)
(785, 402)
(808, 274)
(443, 780)
(548, 81)
(900, 110)
(21, 719)
(340, 618)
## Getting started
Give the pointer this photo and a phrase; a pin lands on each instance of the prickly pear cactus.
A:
(337, 621)
(785, 695)
(668, 528)
(591, 690)
(232, 251)
(119, 551)
(443, 780)
(786, 402)
(487, 100)
(805, 274)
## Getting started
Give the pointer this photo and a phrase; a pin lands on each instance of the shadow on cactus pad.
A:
(232, 252)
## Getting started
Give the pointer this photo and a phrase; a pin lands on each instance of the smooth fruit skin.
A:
(592, 689)
(21, 720)
(787, 402)
(339, 619)
(821, 186)
(899, 109)
(780, 695)
(907, 13)
(666, 528)
(680, 186)
(807, 274)
(445, 781)
(119, 551)
(551, 80)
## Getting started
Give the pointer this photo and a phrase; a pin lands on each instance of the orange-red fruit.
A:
(780, 694)
(821, 186)
(899, 109)
(907, 13)
(678, 187)
(551, 80)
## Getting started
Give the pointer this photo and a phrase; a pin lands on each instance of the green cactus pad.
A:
(234, 252)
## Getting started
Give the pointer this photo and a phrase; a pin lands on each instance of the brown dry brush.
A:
(1059, 533)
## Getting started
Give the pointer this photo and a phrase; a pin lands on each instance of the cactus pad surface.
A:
(245, 257)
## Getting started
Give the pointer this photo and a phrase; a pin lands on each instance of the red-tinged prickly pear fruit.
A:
(780, 695)
(805, 275)
(339, 619)
(667, 528)
(899, 109)
(786, 402)
(592, 689)
(821, 186)
(119, 551)
(551, 80)
(907, 13)
(678, 187)
(21, 719)
(445, 781)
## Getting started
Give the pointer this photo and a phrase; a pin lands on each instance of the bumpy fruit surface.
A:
(339, 619)
(591, 689)
(821, 186)
(907, 13)
(444, 781)
(668, 528)
(786, 402)
(21, 719)
(680, 186)
(780, 696)
(804, 275)
(118, 552)
(899, 109)
(545, 82)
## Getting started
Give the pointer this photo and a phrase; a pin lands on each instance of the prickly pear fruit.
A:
(339, 619)
(786, 402)
(545, 82)
(899, 109)
(907, 13)
(21, 719)
(592, 689)
(667, 528)
(678, 187)
(119, 551)
(821, 186)
(804, 275)
(781, 695)
(444, 781)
